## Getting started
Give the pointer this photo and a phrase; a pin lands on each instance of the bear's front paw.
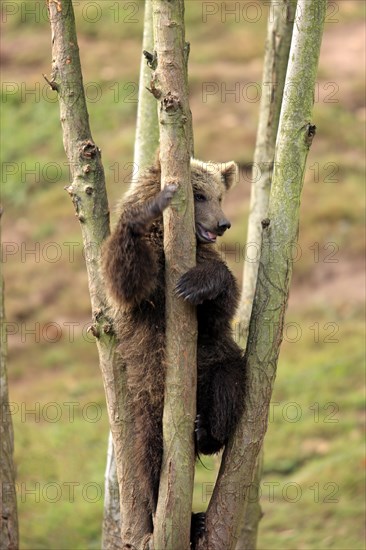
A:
(154, 208)
(194, 287)
(164, 198)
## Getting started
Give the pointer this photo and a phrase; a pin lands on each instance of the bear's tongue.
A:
(211, 236)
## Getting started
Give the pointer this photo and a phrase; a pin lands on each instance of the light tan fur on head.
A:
(225, 173)
(210, 182)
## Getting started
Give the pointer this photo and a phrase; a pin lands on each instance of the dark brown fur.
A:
(133, 266)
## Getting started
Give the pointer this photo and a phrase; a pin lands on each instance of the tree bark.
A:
(278, 42)
(88, 193)
(9, 533)
(169, 83)
(280, 231)
(248, 530)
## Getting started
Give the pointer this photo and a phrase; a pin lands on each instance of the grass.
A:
(312, 491)
(314, 444)
(321, 379)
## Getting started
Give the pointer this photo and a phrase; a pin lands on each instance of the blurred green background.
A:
(313, 484)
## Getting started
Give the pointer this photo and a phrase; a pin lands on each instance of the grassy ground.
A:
(313, 484)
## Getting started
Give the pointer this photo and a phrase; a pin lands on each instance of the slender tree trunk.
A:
(146, 144)
(278, 42)
(147, 129)
(88, 193)
(169, 83)
(279, 34)
(280, 231)
(9, 535)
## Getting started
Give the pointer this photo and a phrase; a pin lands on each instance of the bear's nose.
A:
(224, 224)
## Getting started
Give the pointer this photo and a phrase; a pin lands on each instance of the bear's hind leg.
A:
(205, 442)
(220, 399)
(149, 454)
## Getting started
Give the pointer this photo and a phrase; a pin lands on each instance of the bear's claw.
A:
(193, 289)
(199, 428)
(198, 527)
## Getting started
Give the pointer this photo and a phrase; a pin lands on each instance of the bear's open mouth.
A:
(204, 235)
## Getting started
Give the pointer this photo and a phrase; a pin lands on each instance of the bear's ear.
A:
(230, 173)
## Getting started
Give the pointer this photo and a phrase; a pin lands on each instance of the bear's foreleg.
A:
(139, 218)
(207, 281)
(130, 264)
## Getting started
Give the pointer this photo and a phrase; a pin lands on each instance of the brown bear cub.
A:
(133, 267)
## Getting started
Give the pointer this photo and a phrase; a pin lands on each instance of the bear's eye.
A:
(199, 197)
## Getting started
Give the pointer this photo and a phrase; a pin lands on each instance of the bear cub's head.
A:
(210, 182)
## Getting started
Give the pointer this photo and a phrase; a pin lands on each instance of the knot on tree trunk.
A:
(151, 59)
(310, 133)
(171, 103)
(88, 149)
